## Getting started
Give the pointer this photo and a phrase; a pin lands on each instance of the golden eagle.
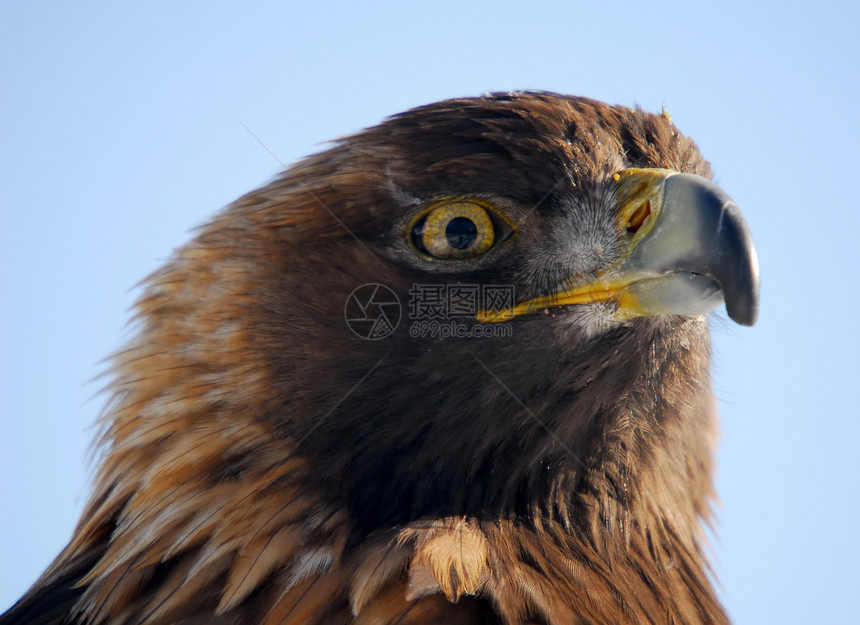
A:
(454, 369)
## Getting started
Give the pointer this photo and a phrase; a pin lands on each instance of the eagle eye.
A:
(456, 230)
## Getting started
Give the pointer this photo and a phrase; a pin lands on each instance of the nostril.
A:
(638, 217)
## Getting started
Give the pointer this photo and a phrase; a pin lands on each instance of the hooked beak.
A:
(689, 251)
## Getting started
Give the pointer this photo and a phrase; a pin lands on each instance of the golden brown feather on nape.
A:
(514, 424)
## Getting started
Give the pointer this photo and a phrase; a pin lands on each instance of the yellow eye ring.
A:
(456, 230)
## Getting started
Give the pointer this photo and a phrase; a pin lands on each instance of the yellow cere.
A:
(640, 196)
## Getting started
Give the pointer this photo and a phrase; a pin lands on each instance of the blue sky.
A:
(122, 129)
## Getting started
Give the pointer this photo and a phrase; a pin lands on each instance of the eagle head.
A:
(456, 367)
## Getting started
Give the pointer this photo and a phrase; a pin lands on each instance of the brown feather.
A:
(264, 465)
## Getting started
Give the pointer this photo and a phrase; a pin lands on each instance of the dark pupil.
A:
(461, 232)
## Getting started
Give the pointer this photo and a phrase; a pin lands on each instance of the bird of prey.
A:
(454, 369)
